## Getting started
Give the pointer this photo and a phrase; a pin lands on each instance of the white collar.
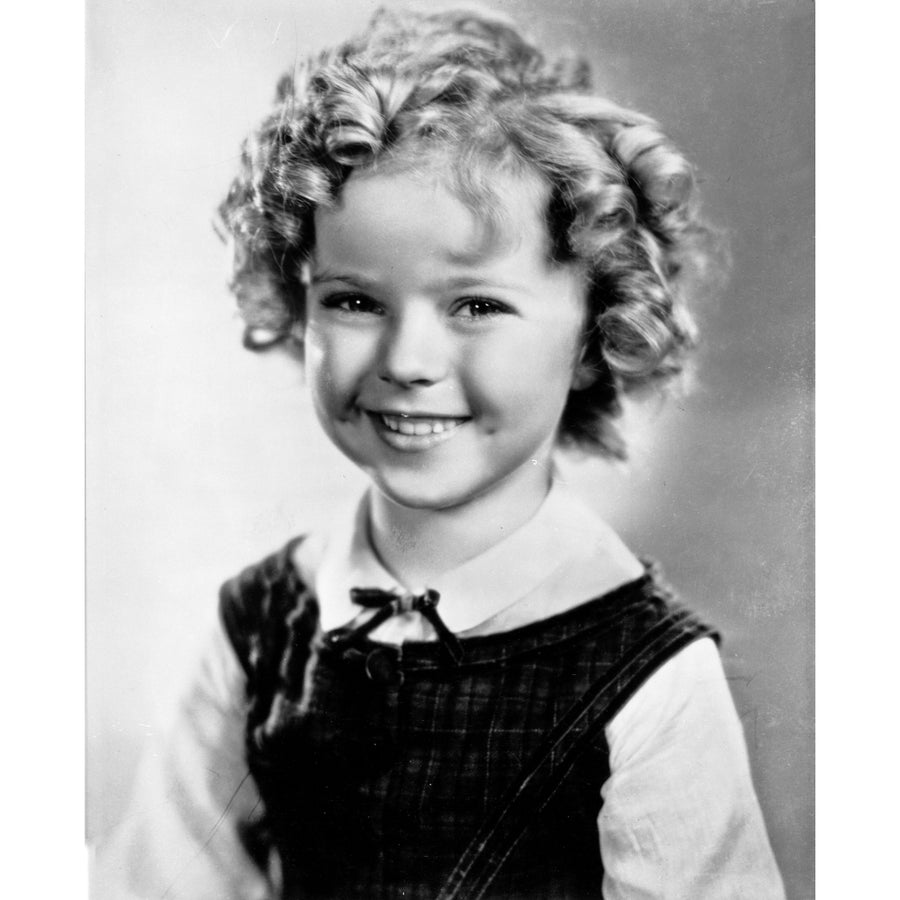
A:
(564, 555)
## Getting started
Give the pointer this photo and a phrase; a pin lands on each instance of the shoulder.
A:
(620, 639)
(687, 692)
(256, 605)
(648, 626)
(651, 613)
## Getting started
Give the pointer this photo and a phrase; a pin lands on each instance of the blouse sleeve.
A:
(179, 839)
(680, 819)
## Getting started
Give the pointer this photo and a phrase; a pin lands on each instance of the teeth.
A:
(418, 427)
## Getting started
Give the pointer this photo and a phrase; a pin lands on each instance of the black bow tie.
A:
(390, 603)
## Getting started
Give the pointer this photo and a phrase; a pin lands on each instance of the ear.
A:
(583, 377)
(585, 373)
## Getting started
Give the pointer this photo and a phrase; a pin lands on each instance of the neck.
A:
(416, 545)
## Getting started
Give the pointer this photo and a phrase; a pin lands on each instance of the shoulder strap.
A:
(260, 609)
(543, 775)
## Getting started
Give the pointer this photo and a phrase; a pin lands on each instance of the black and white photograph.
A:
(449, 385)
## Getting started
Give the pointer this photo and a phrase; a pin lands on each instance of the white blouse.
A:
(679, 821)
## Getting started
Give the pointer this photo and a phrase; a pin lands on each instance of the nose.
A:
(414, 348)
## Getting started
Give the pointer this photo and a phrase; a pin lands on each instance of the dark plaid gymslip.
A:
(393, 772)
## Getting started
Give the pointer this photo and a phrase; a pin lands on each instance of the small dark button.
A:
(335, 640)
(383, 666)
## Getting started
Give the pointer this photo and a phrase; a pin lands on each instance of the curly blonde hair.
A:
(468, 90)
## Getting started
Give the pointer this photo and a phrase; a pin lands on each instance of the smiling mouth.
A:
(419, 425)
(410, 432)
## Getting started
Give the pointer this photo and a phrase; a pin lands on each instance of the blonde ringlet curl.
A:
(465, 93)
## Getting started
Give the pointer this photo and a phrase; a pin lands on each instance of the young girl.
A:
(471, 688)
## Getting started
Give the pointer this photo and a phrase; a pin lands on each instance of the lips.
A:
(408, 431)
(420, 425)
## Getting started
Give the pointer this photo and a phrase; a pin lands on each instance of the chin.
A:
(421, 499)
(423, 492)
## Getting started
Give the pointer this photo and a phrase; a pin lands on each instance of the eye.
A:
(480, 308)
(351, 303)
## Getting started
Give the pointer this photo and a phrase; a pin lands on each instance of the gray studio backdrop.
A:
(203, 457)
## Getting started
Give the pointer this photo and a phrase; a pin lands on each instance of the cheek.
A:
(530, 376)
(315, 367)
(335, 362)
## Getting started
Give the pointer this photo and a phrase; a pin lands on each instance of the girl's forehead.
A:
(473, 218)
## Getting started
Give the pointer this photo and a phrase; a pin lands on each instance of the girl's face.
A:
(438, 362)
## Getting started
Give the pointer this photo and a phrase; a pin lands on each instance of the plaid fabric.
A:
(379, 765)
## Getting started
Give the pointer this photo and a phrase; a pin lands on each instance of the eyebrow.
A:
(460, 282)
(362, 281)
